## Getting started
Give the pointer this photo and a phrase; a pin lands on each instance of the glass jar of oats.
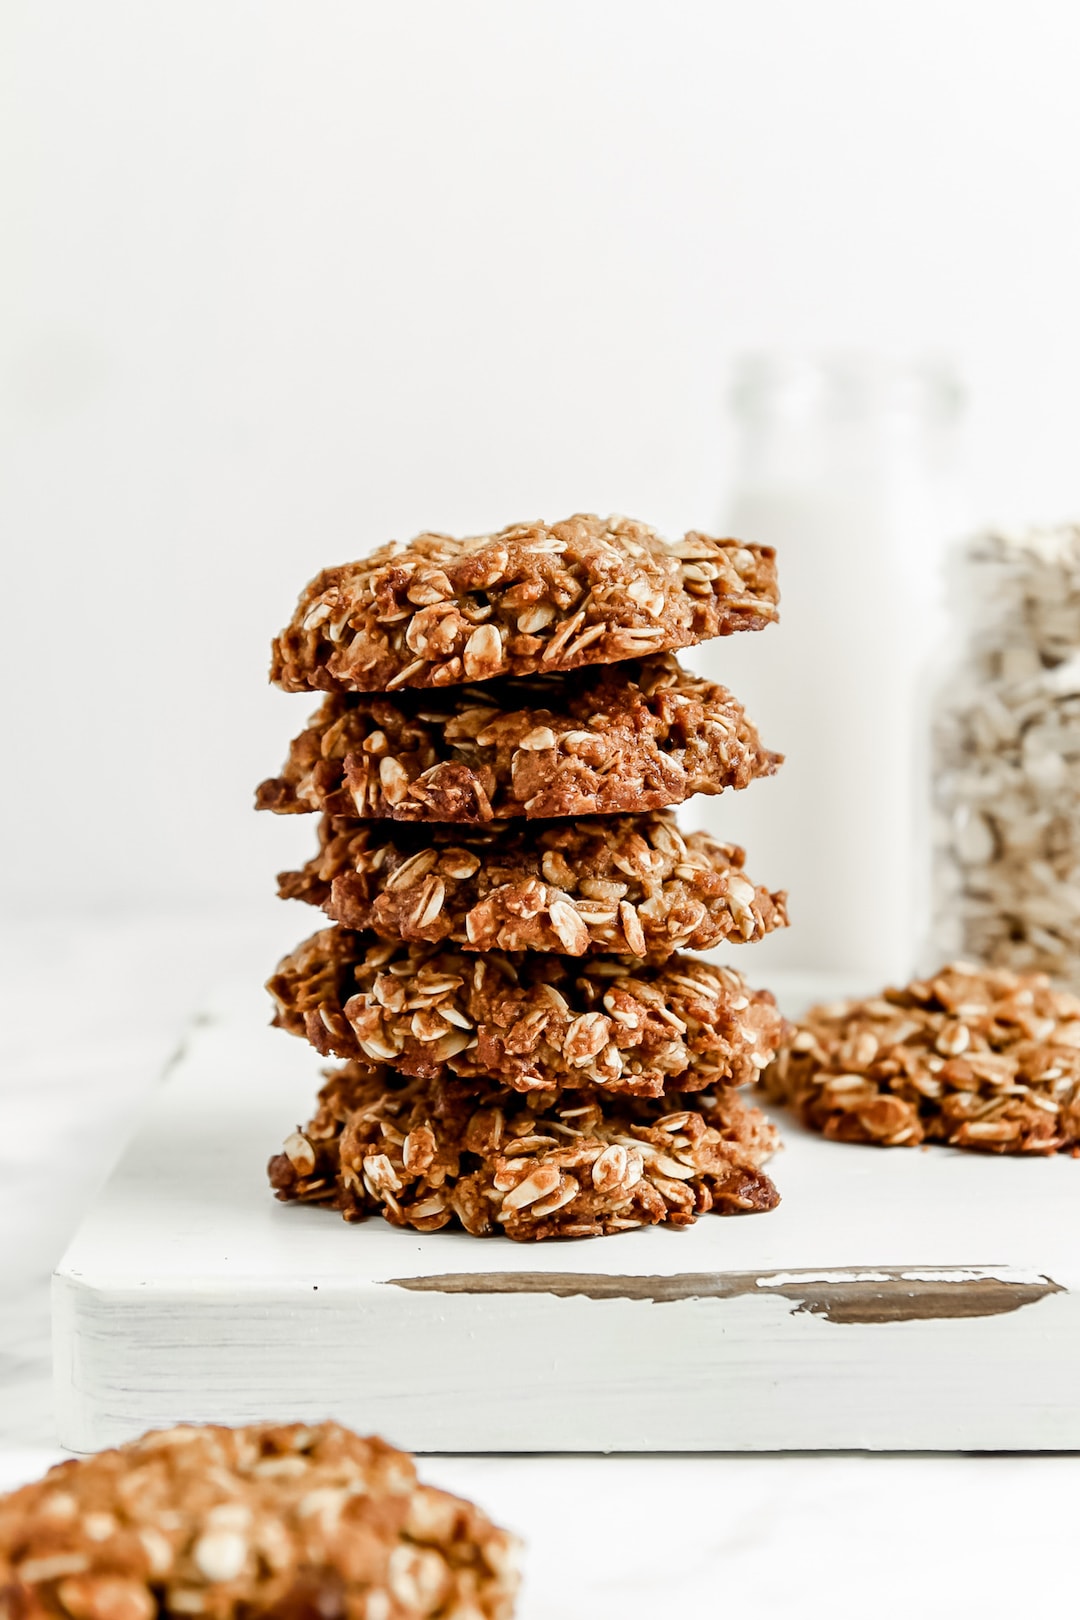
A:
(1007, 757)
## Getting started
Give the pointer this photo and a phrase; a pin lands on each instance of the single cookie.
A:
(424, 1153)
(530, 1021)
(533, 597)
(975, 1058)
(622, 884)
(634, 736)
(292, 1521)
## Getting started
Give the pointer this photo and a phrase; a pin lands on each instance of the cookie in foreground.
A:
(634, 736)
(530, 1020)
(973, 1057)
(590, 590)
(291, 1521)
(626, 884)
(427, 1154)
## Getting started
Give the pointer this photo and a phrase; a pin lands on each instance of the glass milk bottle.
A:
(847, 466)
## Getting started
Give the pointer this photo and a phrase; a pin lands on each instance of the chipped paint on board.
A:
(888, 1294)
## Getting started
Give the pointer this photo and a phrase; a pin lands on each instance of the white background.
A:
(284, 279)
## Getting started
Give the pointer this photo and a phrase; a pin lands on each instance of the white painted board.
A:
(903, 1299)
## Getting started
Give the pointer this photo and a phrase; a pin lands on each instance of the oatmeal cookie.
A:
(426, 1153)
(291, 1521)
(634, 736)
(534, 597)
(530, 1021)
(973, 1057)
(622, 884)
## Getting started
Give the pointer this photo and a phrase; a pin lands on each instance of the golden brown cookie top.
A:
(290, 1520)
(535, 596)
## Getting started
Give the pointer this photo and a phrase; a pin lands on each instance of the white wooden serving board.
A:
(897, 1300)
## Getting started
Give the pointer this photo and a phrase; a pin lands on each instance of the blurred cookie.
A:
(293, 1521)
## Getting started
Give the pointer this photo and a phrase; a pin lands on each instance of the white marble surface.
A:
(92, 1010)
(853, 1538)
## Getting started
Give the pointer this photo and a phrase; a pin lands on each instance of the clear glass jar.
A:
(1007, 757)
(848, 465)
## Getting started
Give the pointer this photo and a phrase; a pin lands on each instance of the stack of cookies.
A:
(504, 734)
